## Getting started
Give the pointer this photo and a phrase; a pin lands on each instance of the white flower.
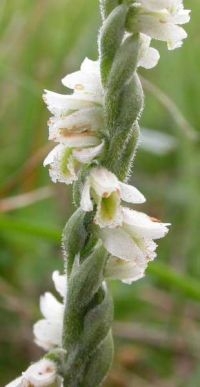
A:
(107, 192)
(40, 374)
(133, 243)
(78, 112)
(48, 331)
(64, 162)
(160, 20)
(76, 124)
(148, 56)
(88, 91)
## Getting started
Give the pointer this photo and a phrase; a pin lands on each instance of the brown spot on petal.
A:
(155, 219)
(86, 129)
(79, 87)
(106, 195)
(49, 369)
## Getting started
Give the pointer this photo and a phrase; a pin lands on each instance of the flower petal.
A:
(83, 120)
(130, 194)
(126, 271)
(15, 383)
(60, 282)
(150, 58)
(62, 165)
(86, 202)
(79, 140)
(141, 225)
(103, 181)
(121, 245)
(87, 80)
(48, 334)
(41, 374)
(86, 155)
(50, 307)
(157, 142)
(62, 104)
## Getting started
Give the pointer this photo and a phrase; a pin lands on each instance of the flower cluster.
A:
(77, 120)
(76, 123)
(128, 235)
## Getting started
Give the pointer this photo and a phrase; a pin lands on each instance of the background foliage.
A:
(157, 319)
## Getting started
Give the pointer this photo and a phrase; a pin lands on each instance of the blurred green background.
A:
(157, 320)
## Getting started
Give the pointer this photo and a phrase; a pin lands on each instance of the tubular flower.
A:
(48, 331)
(76, 124)
(160, 19)
(132, 245)
(40, 374)
(104, 189)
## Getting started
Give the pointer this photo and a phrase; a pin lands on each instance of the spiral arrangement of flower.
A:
(96, 131)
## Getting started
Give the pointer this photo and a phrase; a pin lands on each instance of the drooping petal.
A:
(130, 194)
